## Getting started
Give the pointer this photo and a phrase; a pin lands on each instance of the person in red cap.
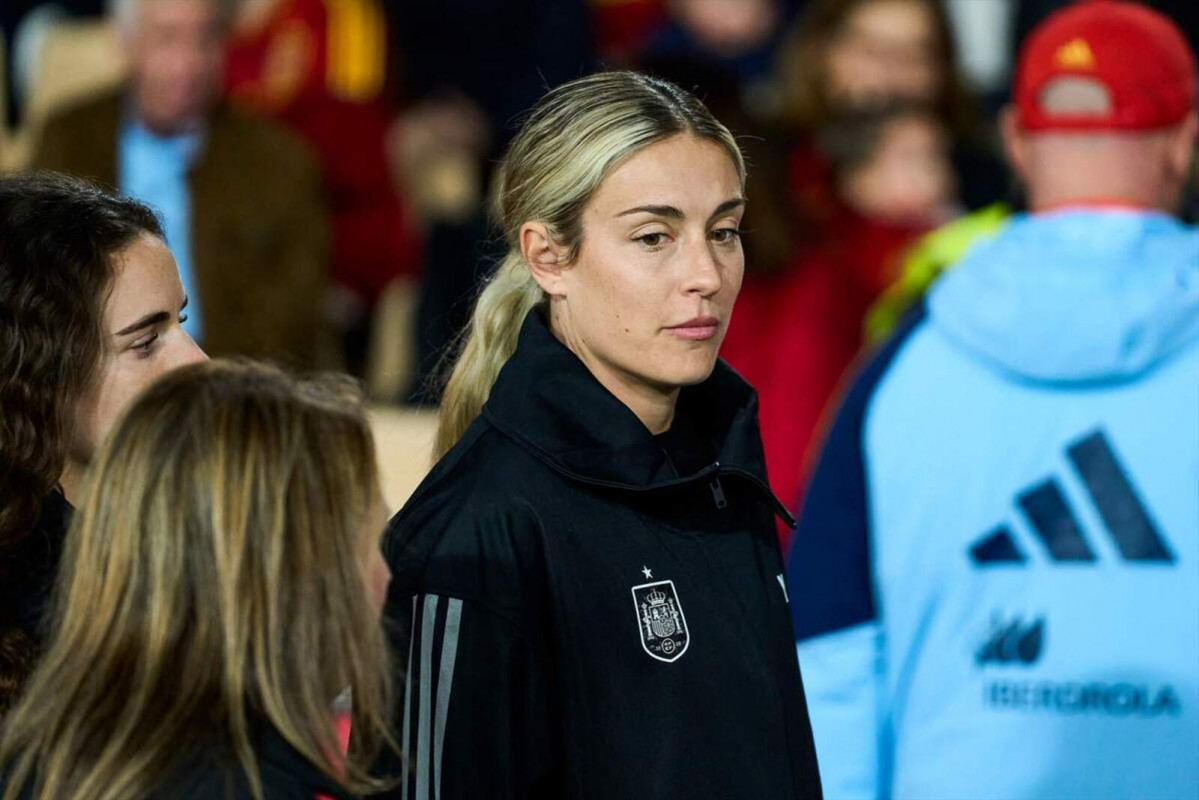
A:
(994, 580)
(1104, 110)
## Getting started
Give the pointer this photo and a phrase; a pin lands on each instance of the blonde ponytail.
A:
(506, 300)
(573, 138)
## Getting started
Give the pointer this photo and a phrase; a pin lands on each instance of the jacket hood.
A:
(1077, 296)
(548, 401)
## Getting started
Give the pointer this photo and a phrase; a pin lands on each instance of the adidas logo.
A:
(1049, 515)
(1012, 643)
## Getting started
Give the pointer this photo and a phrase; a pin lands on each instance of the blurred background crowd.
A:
(323, 167)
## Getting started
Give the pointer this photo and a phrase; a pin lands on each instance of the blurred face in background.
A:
(886, 49)
(727, 27)
(908, 178)
(176, 53)
(647, 300)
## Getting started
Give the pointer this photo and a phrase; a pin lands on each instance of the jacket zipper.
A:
(718, 493)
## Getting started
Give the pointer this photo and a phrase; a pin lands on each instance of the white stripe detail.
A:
(449, 653)
(408, 701)
(424, 734)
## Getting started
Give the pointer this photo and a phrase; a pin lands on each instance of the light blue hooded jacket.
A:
(995, 580)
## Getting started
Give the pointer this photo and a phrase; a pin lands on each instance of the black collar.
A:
(549, 402)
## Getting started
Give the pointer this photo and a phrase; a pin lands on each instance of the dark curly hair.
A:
(58, 236)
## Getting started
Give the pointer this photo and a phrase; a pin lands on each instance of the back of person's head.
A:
(1104, 107)
(59, 238)
(843, 54)
(215, 582)
(574, 137)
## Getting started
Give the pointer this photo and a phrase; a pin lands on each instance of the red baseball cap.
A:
(1136, 67)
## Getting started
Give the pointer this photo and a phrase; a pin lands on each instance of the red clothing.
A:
(622, 27)
(319, 66)
(794, 335)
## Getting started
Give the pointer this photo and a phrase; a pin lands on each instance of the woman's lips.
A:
(696, 329)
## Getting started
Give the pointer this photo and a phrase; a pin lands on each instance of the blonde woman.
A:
(220, 588)
(590, 576)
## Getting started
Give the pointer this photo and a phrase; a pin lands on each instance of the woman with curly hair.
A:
(90, 312)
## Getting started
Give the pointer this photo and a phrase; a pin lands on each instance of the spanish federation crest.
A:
(660, 617)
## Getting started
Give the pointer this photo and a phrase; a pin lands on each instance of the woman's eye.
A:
(725, 235)
(652, 240)
(143, 347)
(183, 318)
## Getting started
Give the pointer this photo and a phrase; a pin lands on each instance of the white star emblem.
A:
(647, 572)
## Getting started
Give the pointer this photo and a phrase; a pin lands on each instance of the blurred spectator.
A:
(222, 587)
(320, 67)
(794, 334)
(470, 68)
(240, 198)
(891, 164)
(941, 249)
(844, 54)
(740, 36)
(90, 312)
(996, 568)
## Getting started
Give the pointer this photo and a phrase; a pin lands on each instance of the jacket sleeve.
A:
(476, 718)
(839, 628)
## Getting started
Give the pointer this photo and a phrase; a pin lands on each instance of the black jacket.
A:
(212, 773)
(589, 616)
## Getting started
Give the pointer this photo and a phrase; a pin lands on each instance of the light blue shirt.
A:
(154, 169)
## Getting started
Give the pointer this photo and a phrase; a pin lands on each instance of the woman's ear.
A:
(545, 257)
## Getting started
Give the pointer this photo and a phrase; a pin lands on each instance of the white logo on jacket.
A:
(662, 626)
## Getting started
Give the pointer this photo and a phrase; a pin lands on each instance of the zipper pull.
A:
(718, 493)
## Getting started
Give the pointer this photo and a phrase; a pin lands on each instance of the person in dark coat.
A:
(240, 197)
(90, 312)
(588, 586)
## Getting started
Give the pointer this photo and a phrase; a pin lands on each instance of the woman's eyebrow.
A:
(147, 321)
(658, 211)
(727, 206)
(674, 213)
(153, 318)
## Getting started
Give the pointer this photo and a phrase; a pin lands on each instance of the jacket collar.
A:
(547, 401)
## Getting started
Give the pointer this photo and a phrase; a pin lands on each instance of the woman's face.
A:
(143, 338)
(647, 302)
(885, 49)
